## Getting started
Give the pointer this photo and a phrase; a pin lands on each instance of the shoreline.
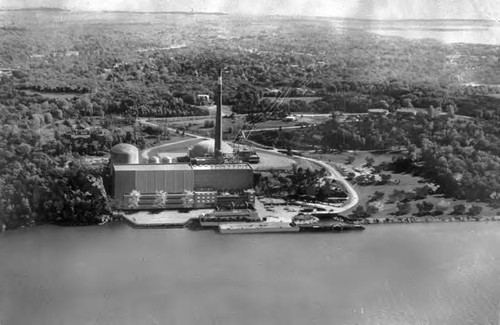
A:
(388, 220)
(368, 221)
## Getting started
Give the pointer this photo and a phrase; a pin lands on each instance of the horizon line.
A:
(241, 14)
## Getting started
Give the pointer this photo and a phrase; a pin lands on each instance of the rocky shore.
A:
(429, 219)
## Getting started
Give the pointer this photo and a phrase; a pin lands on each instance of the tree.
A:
(369, 161)
(459, 209)
(431, 112)
(424, 208)
(403, 208)
(385, 178)
(406, 102)
(374, 207)
(188, 200)
(451, 110)
(360, 212)
(377, 196)
(58, 114)
(133, 199)
(474, 210)
(421, 192)
(47, 118)
(160, 199)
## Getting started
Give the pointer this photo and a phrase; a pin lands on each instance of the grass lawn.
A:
(288, 99)
(237, 123)
(406, 182)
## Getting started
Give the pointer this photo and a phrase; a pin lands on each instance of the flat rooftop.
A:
(222, 166)
(151, 167)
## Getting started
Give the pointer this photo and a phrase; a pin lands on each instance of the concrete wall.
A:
(170, 181)
(223, 179)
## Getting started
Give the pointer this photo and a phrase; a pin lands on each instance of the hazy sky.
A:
(376, 9)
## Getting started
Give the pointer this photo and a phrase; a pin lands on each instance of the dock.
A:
(161, 218)
(257, 227)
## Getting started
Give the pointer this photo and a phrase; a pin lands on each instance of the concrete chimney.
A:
(218, 117)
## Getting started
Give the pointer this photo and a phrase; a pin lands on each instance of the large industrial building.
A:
(182, 185)
(206, 181)
(178, 185)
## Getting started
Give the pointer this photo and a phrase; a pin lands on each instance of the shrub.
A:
(459, 209)
(425, 208)
(360, 212)
(403, 208)
(374, 207)
(475, 210)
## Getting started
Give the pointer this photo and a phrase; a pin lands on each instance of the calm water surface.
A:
(394, 274)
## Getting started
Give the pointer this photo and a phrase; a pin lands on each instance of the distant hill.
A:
(167, 12)
(36, 9)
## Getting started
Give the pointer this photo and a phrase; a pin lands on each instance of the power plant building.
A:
(179, 185)
(207, 181)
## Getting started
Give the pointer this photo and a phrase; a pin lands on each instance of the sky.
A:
(371, 9)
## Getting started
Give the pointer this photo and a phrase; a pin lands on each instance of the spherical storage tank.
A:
(206, 148)
(124, 153)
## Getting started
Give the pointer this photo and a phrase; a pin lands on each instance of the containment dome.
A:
(206, 149)
(124, 153)
(154, 160)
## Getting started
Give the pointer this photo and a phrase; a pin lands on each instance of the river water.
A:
(390, 274)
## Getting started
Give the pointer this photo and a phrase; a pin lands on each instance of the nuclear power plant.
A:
(206, 181)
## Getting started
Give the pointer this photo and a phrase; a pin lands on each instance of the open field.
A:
(288, 99)
(405, 182)
(238, 122)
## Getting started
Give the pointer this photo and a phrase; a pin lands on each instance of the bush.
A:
(459, 209)
(360, 212)
(377, 196)
(424, 208)
(374, 207)
(475, 210)
(422, 192)
(403, 208)
(208, 124)
(153, 130)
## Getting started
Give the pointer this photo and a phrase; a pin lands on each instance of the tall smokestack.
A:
(218, 117)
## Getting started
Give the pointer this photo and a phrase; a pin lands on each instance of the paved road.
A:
(145, 152)
(352, 196)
